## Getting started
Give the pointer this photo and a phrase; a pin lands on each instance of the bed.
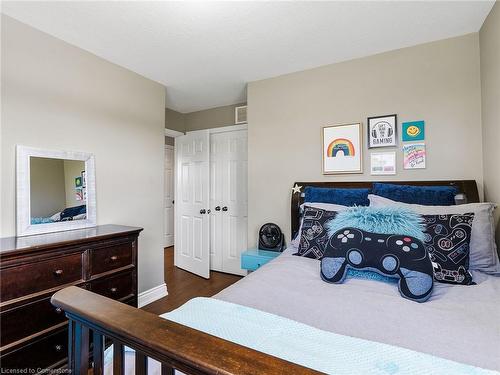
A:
(457, 329)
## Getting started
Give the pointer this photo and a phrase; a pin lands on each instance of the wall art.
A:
(413, 131)
(342, 149)
(382, 131)
(414, 156)
(383, 163)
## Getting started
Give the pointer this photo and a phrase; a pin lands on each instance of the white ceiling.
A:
(206, 52)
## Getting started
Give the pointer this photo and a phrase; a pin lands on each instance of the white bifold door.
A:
(211, 200)
(192, 224)
(228, 200)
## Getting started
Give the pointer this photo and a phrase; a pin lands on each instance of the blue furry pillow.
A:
(345, 197)
(383, 220)
(424, 195)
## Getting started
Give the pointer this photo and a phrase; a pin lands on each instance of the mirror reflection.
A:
(57, 190)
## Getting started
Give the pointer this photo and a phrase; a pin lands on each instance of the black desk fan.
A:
(271, 238)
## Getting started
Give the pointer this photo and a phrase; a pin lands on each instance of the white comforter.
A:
(461, 323)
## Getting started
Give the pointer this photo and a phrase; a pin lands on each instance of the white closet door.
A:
(168, 197)
(229, 192)
(218, 155)
(191, 203)
(236, 202)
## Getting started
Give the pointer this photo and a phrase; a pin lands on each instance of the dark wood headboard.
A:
(467, 187)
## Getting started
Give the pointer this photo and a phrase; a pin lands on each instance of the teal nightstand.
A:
(252, 259)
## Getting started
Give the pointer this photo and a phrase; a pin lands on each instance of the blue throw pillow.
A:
(396, 256)
(73, 211)
(424, 195)
(447, 239)
(382, 240)
(346, 197)
(314, 235)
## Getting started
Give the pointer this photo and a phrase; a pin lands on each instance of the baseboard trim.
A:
(151, 295)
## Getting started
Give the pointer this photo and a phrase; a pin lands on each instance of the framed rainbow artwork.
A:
(342, 149)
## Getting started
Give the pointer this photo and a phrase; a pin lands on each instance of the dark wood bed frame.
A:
(466, 187)
(94, 318)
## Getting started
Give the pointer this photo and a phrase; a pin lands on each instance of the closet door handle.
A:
(224, 208)
(203, 211)
(217, 208)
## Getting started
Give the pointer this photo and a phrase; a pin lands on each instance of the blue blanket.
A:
(310, 347)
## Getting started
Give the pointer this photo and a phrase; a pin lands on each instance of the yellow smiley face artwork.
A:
(413, 131)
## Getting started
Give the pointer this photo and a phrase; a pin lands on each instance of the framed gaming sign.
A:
(342, 149)
(382, 131)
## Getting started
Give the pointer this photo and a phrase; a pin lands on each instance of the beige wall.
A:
(72, 169)
(489, 38)
(205, 119)
(170, 141)
(51, 92)
(211, 118)
(47, 194)
(174, 120)
(437, 82)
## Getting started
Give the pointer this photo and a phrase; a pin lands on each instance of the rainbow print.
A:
(340, 144)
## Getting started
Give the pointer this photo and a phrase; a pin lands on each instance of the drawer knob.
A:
(58, 272)
(114, 257)
(114, 290)
(58, 348)
(58, 310)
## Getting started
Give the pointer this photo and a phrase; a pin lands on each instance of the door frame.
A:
(173, 133)
(170, 147)
(229, 128)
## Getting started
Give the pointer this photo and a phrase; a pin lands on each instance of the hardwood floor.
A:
(183, 285)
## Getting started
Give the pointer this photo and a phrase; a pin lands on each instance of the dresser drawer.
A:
(40, 354)
(41, 275)
(26, 320)
(115, 287)
(109, 258)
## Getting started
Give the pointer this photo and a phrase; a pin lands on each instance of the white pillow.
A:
(324, 206)
(483, 250)
(56, 216)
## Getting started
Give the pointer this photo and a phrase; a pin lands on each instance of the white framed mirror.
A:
(55, 190)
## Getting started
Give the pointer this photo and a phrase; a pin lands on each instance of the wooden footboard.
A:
(92, 318)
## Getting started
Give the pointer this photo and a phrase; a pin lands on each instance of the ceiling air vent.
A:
(240, 114)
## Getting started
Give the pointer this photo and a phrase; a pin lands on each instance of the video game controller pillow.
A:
(395, 256)
(447, 239)
(314, 234)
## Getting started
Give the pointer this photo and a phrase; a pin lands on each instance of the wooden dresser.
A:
(101, 259)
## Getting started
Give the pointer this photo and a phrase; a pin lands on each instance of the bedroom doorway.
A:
(169, 187)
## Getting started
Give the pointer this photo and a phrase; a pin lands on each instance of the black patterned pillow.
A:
(314, 234)
(447, 239)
